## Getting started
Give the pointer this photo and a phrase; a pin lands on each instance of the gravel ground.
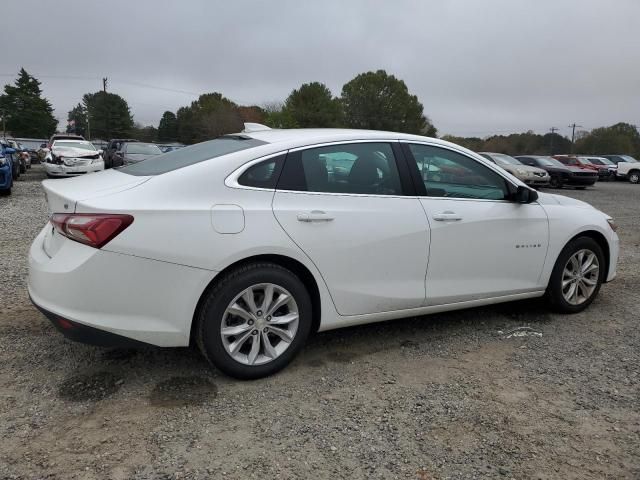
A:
(443, 396)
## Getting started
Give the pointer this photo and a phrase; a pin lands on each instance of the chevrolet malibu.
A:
(246, 244)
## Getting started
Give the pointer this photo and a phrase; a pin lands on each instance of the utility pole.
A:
(573, 133)
(553, 131)
(106, 101)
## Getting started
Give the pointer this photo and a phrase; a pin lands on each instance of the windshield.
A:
(143, 149)
(628, 158)
(502, 159)
(183, 157)
(549, 162)
(586, 160)
(74, 144)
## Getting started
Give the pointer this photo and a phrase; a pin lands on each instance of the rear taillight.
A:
(93, 229)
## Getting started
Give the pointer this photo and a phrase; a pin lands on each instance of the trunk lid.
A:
(63, 195)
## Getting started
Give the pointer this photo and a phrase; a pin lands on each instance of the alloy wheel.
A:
(259, 324)
(580, 277)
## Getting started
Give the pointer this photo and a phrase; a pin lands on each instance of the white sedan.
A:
(70, 158)
(246, 244)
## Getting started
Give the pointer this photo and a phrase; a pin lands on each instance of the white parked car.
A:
(247, 243)
(70, 158)
(628, 167)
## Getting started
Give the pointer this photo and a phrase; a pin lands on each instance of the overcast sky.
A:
(478, 66)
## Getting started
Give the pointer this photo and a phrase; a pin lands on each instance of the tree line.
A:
(372, 100)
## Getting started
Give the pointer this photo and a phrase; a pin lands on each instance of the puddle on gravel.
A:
(89, 387)
(183, 391)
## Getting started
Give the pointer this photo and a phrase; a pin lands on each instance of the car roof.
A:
(307, 136)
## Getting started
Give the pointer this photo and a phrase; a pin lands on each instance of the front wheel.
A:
(577, 276)
(254, 321)
(634, 176)
(555, 182)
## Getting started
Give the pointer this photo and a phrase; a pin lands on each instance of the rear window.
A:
(183, 157)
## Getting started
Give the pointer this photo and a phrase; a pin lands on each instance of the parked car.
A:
(628, 167)
(63, 136)
(602, 162)
(532, 176)
(6, 175)
(583, 163)
(170, 147)
(134, 152)
(23, 156)
(561, 174)
(8, 152)
(247, 243)
(31, 145)
(69, 158)
(112, 147)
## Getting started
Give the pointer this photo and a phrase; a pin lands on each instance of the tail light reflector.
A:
(93, 229)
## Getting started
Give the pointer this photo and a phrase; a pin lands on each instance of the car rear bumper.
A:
(119, 295)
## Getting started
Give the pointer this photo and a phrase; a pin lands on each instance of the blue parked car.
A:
(10, 154)
(6, 175)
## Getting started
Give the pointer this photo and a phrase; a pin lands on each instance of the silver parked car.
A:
(533, 176)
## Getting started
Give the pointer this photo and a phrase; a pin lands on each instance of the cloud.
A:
(478, 67)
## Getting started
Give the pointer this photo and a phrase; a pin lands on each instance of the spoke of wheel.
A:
(282, 333)
(566, 282)
(268, 298)
(574, 297)
(239, 311)
(589, 281)
(591, 268)
(284, 319)
(282, 299)
(235, 346)
(269, 351)
(569, 294)
(255, 349)
(588, 263)
(250, 300)
(580, 257)
(235, 330)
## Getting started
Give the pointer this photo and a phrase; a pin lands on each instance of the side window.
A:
(264, 174)
(527, 161)
(446, 173)
(363, 168)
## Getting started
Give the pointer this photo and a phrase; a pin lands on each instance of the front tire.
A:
(555, 182)
(634, 176)
(254, 321)
(577, 276)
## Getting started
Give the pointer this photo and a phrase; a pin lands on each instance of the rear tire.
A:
(587, 282)
(225, 308)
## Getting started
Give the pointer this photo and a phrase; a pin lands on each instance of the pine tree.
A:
(26, 112)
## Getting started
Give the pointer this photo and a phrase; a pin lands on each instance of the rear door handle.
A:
(447, 216)
(314, 216)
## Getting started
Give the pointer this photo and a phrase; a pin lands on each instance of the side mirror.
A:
(525, 195)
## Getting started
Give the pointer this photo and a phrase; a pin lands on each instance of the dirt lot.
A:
(443, 396)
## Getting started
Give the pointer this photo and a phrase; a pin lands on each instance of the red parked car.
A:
(585, 164)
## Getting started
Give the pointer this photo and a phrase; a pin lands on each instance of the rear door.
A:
(347, 206)
(482, 244)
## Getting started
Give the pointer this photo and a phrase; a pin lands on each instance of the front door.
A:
(482, 244)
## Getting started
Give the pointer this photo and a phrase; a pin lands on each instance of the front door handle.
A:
(314, 216)
(447, 216)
